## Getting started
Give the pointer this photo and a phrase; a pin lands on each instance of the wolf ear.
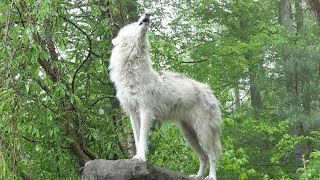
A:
(115, 41)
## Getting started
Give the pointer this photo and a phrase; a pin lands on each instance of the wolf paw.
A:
(139, 158)
(210, 178)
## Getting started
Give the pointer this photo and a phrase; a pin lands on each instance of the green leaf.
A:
(243, 176)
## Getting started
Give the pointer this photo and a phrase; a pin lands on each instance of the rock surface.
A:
(125, 169)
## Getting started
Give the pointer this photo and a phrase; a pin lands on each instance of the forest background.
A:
(58, 108)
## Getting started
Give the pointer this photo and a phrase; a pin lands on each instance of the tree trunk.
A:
(292, 76)
(255, 93)
(285, 13)
(237, 95)
(299, 15)
(306, 95)
(314, 6)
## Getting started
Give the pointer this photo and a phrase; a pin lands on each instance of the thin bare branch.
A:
(104, 97)
(88, 55)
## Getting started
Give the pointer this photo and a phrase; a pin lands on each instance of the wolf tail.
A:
(211, 105)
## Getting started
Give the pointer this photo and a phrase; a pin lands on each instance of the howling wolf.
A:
(150, 96)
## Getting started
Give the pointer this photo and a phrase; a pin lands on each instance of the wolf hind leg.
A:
(213, 147)
(192, 139)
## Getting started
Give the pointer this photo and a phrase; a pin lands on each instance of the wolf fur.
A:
(148, 95)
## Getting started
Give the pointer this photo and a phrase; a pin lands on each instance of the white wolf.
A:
(148, 95)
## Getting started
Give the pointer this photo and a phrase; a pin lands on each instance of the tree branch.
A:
(44, 63)
(88, 55)
(20, 15)
(104, 97)
(82, 157)
(48, 37)
(89, 153)
(12, 23)
(42, 142)
(192, 62)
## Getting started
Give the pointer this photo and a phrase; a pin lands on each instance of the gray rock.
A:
(125, 169)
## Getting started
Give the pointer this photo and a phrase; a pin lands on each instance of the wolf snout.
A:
(144, 19)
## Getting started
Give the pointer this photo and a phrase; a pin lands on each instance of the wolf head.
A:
(133, 32)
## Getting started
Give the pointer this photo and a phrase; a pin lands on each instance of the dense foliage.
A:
(58, 108)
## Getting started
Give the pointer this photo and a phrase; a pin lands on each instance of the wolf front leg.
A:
(146, 122)
(135, 123)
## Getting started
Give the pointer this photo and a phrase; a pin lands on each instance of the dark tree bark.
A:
(285, 13)
(237, 96)
(314, 6)
(255, 92)
(306, 94)
(285, 19)
(299, 15)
